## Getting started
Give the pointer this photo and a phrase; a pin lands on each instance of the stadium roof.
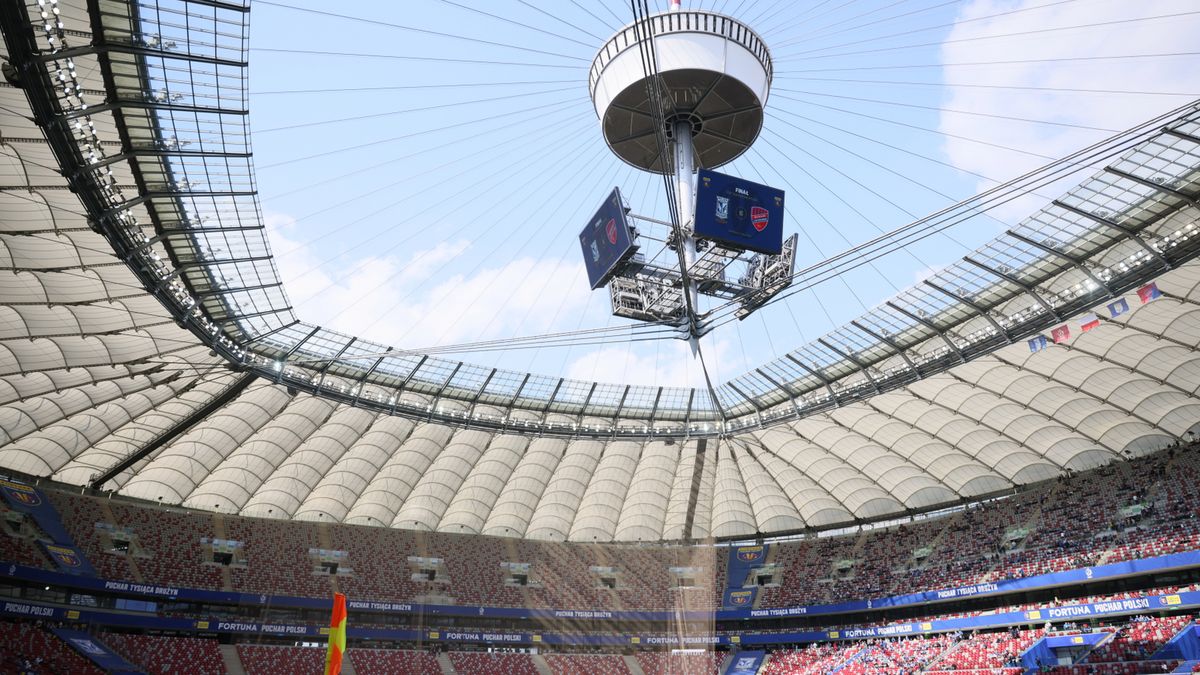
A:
(149, 346)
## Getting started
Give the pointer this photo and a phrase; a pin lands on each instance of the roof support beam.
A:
(817, 374)
(929, 324)
(1075, 262)
(846, 355)
(197, 415)
(887, 341)
(980, 311)
(1029, 290)
(365, 376)
(1134, 236)
(1151, 184)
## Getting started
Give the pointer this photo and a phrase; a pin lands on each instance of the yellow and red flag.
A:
(337, 636)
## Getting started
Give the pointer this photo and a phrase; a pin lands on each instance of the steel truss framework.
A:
(174, 80)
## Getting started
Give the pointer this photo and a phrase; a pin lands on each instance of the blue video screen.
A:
(607, 241)
(739, 214)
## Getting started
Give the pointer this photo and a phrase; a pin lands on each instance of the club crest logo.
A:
(595, 251)
(66, 556)
(22, 495)
(611, 230)
(750, 553)
(741, 598)
(722, 208)
(759, 217)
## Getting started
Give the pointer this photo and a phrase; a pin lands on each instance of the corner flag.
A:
(337, 636)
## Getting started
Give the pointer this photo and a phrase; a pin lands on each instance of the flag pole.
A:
(337, 636)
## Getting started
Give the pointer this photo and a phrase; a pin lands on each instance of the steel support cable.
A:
(390, 113)
(826, 29)
(504, 160)
(533, 232)
(1011, 62)
(906, 125)
(565, 338)
(412, 29)
(408, 57)
(1010, 87)
(991, 198)
(569, 249)
(415, 134)
(486, 151)
(865, 187)
(650, 68)
(413, 235)
(871, 190)
(951, 24)
(561, 20)
(886, 280)
(517, 23)
(405, 87)
(940, 109)
(1025, 33)
(442, 216)
(898, 149)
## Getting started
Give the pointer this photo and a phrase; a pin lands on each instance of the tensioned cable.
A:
(1025, 33)
(456, 232)
(423, 170)
(406, 87)
(1019, 10)
(389, 113)
(650, 69)
(414, 134)
(916, 106)
(533, 232)
(494, 186)
(1011, 87)
(409, 57)
(424, 31)
(1062, 59)
(515, 23)
(920, 128)
(989, 199)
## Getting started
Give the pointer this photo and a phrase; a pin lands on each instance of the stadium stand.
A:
(1025, 535)
(168, 655)
(587, 664)
(484, 663)
(280, 660)
(1139, 639)
(392, 662)
(659, 663)
(26, 647)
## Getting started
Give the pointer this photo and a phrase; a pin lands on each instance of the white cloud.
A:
(401, 301)
(669, 364)
(1110, 111)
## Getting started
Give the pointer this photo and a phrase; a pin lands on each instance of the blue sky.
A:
(425, 166)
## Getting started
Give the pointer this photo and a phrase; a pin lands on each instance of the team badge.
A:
(759, 217)
(595, 251)
(722, 208)
(611, 230)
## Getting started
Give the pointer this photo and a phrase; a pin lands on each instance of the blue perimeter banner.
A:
(32, 502)
(746, 663)
(32, 610)
(151, 591)
(95, 651)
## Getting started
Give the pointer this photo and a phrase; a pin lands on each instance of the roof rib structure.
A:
(146, 335)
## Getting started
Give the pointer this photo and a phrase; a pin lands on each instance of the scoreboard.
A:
(607, 240)
(739, 214)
